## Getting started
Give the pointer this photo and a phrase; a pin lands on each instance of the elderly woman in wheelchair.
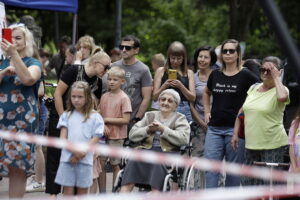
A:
(162, 131)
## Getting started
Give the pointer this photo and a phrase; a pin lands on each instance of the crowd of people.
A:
(104, 98)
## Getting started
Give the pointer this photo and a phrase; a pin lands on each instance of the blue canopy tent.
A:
(55, 5)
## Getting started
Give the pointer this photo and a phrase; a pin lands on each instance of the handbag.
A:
(241, 132)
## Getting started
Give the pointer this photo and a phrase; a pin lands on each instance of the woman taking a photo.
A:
(228, 87)
(265, 137)
(183, 83)
(19, 82)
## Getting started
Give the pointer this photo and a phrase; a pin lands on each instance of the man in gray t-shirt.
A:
(138, 84)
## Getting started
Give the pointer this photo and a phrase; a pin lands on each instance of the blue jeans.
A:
(184, 108)
(217, 147)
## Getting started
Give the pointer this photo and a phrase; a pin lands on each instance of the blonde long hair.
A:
(29, 40)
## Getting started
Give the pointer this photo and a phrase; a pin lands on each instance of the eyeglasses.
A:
(230, 51)
(127, 48)
(165, 99)
(263, 70)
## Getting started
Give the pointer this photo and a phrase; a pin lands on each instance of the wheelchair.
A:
(193, 178)
(172, 178)
(187, 179)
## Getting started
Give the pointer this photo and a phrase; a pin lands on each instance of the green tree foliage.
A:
(159, 22)
(189, 21)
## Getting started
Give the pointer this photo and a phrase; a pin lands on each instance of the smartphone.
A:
(6, 34)
(172, 74)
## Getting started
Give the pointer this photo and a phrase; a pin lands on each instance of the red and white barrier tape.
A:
(155, 157)
(231, 193)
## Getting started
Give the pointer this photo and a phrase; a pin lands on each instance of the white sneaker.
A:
(35, 187)
(30, 180)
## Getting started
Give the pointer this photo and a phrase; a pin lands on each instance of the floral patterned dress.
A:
(18, 113)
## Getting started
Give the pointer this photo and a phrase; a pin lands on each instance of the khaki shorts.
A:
(115, 143)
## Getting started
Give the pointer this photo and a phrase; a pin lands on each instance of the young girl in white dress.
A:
(79, 123)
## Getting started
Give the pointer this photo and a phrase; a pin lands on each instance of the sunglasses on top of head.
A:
(230, 51)
(127, 48)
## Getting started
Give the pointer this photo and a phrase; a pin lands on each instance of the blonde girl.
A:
(79, 123)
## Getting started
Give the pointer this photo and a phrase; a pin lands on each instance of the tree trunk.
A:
(240, 16)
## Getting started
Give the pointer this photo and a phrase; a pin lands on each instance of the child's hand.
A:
(77, 156)
(106, 131)
(74, 160)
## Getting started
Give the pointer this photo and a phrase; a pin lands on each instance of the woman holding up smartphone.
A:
(19, 81)
(184, 83)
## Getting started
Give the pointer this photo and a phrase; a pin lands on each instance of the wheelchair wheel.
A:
(193, 179)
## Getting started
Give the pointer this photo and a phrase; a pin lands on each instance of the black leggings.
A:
(53, 157)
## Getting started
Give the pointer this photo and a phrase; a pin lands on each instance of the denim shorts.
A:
(74, 175)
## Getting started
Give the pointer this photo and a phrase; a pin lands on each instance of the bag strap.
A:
(80, 73)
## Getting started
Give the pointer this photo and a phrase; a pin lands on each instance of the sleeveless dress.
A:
(18, 113)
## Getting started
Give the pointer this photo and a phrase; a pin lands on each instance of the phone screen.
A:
(172, 74)
(6, 34)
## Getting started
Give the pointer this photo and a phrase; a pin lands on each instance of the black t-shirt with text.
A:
(229, 94)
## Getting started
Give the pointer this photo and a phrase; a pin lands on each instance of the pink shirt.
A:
(294, 139)
(114, 106)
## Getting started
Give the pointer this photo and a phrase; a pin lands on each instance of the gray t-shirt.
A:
(199, 86)
(137, 76)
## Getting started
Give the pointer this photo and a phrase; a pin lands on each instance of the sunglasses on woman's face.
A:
(230, 51)
(263, 70)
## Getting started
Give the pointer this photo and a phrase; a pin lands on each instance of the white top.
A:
(79, 131)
